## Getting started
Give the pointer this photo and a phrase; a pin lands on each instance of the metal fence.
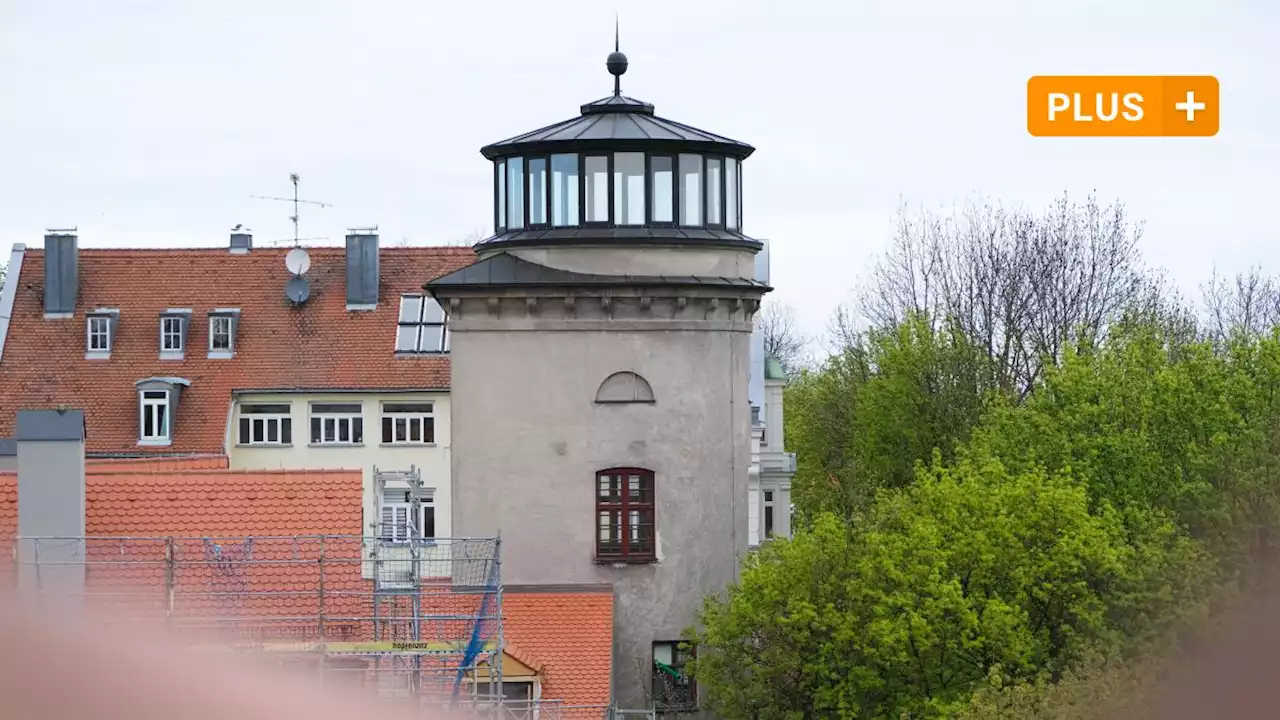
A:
(413, 619)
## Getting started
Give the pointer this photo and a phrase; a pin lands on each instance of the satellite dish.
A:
(297, 289)
(297, 261)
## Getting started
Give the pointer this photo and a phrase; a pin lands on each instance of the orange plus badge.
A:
(1122, 105)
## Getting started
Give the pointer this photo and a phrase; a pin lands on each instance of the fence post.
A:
(320, 605)
(169, 574)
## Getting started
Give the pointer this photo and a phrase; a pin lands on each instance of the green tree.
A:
(864, 419)
(969, 569)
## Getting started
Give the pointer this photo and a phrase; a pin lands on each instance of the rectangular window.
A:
(423, 326)
(408, 424)
(399, 523)
(99, 338)
(336, 424)
(564, 189)
(597, 177)
(537, 191)
(691, 190)
(768, 513)
(220, 333)
(628, 188)
(714, 188)
(625, 515)
(515, 193)
(673, 686)
(155, 416)
(662, 180)
(265, 424)
(171, 333)
(731, 193)
(502, 194)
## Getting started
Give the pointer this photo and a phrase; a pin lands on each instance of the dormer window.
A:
(157, 407)
(100, 330)
(173, 334)
(223, 324)
(423, 327)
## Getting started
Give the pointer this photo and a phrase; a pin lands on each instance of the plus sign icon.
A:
(1122, 106)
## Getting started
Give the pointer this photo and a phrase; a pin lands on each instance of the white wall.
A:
(432, 460)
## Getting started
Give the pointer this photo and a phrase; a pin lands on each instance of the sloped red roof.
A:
(278, 346)
(200, 503)
(158, 464)
(569, 635)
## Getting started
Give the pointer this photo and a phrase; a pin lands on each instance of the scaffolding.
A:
(408, 616)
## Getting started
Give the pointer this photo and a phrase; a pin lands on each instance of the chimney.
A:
(362, 268)
(51, 502)
(61, 273)
(241, 241)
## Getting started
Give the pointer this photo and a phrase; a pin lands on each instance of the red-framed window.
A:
(625, 515)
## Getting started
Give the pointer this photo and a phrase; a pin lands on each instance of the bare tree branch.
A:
(1022, 285)
(782, 336)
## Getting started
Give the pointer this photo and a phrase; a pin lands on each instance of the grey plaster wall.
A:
(528, 441)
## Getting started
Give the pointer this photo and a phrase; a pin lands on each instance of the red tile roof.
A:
(570, 635)
(278, 346)
(157, 464)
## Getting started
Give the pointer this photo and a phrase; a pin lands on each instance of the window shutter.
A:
(388, 522)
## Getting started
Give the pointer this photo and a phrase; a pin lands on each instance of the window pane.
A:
(662, 176)
(431, 338)
(148, 421)
(564, 189)
(431, 311)
(768, 520)
(428, 522)
(244, 431)
(402, 429)
(690, 189)
(388, 433)
(731, 193)
(162, 420)
(155, 395)
(597, 177)
(329, 427)
(423, 408)
(273, 430)
(286, 431)
(407, 338)
(357, 430)
(415, 430)
(410, 308)
(537, 191)
(336, 408)
(628, 188)
(316, 437)
(428, 429)
(515, 193)
(502, 194)
(344, 430)
(714, 187)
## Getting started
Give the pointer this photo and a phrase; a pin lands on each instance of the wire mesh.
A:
(412, 618)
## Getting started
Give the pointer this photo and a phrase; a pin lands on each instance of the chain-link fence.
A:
(415, 618)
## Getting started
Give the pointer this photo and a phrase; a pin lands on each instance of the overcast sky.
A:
(151, 123)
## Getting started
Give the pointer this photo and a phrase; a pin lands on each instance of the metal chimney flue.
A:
(362, 268)
(61, 273)
(241, 240)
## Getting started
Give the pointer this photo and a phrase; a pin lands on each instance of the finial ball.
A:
(617, 63)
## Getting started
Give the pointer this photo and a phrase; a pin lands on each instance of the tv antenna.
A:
(293, 178)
